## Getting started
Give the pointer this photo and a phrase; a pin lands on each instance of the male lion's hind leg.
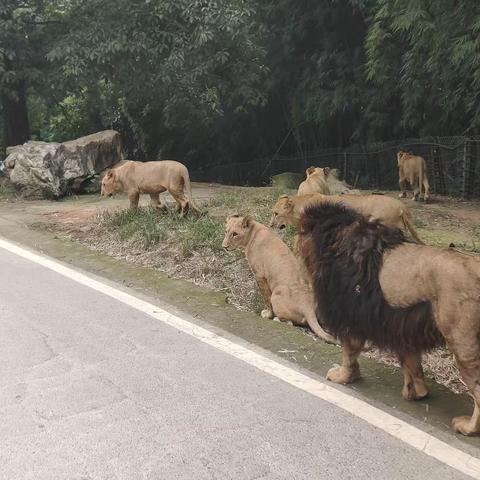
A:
(467, 356)
(414, 387)
(349, 371)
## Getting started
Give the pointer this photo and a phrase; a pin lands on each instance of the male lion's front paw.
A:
(465, 426)
(414, 392)
(343, 374)
(267, 313)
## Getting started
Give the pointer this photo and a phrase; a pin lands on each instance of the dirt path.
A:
(78, 210)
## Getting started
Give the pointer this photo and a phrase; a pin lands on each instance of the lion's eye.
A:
(234, 234)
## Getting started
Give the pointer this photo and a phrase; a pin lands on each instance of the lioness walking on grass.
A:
(277, 271)
(153, 178)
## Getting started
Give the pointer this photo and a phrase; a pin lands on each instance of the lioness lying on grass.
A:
(389, 211)
(277, 271)
(153, 178)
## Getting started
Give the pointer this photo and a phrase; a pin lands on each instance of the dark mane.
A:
(343, 251)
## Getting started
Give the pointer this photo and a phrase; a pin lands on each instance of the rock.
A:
(51, 170)
(288, 180)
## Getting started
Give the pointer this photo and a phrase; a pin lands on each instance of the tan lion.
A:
(370, 285)
(153, 178)
(389, 211)
(277, 271)
(316, 181)
(413, 169)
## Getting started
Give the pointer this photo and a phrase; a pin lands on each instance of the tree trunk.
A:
(16, 127)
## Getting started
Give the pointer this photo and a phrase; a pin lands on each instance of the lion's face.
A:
(282, 212)
(237, 232)
(110, 184)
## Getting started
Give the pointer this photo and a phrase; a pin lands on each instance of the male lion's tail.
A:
(188, 190)
(312, 321)
(407, 221)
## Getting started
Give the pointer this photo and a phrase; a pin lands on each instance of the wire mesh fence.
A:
(453, 165)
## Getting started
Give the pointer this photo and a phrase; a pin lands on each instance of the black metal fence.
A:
(453, 165)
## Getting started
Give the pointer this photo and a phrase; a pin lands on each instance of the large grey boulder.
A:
(51, 170)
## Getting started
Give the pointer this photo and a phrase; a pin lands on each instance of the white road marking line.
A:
(426, 443)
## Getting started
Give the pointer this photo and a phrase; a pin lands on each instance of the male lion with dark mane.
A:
(370, 284)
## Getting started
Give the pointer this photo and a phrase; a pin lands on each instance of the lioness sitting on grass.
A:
(316, 181)
(153, 178)
(277, 271)
(389, 211)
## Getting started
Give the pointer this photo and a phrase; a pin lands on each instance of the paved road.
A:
(94, 389)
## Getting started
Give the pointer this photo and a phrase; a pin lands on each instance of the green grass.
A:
(150, 227)
(6, 191)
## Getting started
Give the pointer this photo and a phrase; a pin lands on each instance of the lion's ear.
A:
(309, 171)
(326, 171)
(246, 222)
(233, 215)
(109, 173)
(290, 204)
(283, 196)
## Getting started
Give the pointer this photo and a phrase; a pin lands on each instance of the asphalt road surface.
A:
(91, 388)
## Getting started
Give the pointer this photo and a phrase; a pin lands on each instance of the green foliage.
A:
(6, 191)
(206, 81)
(171, 65)
(424, 59)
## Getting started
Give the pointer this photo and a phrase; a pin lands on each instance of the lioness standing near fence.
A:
(413, 169)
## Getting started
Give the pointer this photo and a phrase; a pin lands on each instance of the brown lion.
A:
(412, 169)
(390, 211)
(316, 181)
(371, 285)
(277, 271)
(153, 178)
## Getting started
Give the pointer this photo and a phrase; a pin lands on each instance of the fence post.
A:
(345, 165)
(466, 170)
(438, 175)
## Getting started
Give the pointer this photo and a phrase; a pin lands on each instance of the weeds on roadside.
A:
(150, 227)
(6, 191)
